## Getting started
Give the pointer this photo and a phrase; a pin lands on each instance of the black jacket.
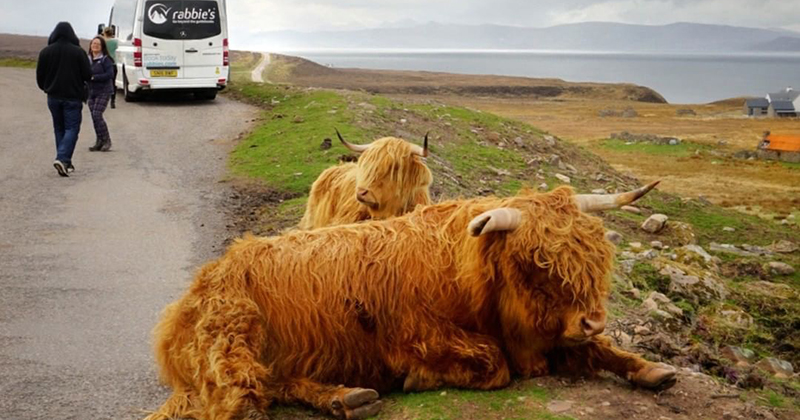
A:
(102, 76)
(63, 67)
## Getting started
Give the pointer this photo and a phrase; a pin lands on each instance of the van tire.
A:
(205, 95)
(129, 96)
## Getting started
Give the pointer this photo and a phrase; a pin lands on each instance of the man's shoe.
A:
(70, 168)
(62, 170)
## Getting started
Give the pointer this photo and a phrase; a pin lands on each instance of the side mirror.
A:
(114, 30)
(100, 28)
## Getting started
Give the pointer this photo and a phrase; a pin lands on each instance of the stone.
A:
(696, 250)
(694, 288)
(736, 318)
(779, 268)
(655, 223)
(657, 245)
(326, 144)
(634, 293)
(555, 160)
(728, 229)
(493, 137)
(557, 407)
(777, 367)
(298, 119)
(739, 356)
(756, 249)
(650, 254)
(519, 142)
(599, 191)
(641, 330)
(657, 301)
(730, 249)
(681, 233)
(614, 237)
(627, 265)
(631, 209)
(550, 140)
(563, 178)
(635, 246)
(543, 186)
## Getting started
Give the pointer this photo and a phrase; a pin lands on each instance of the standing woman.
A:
(100, 88)
(111, 45)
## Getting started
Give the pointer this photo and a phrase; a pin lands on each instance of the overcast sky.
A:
(38, 17)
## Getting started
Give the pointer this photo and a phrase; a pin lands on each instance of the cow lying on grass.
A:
(464, 293)
(388, 180)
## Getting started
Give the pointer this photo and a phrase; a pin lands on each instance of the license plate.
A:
(163, 73)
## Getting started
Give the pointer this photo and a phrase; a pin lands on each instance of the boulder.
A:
(614, 237)
(739, 356)
(779, 268)
(783, 247)
(655, 223)
(701, 289)
(777, 367)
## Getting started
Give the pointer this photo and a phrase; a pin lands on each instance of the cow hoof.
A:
(365, 411)
(657, 377)
(359, 396)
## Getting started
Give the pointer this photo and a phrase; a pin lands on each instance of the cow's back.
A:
(331, 200)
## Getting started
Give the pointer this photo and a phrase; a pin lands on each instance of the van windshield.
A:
(174, 19)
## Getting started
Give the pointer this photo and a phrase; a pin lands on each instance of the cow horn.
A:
(421, 151)
(357, 148)
(495, 220)
(596, 202)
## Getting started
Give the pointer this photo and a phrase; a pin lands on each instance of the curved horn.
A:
(495, 220)
(421, 151)
(596, 202)
(358, 148)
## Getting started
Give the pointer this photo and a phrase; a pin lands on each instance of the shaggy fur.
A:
(395, 178)
(413, 300)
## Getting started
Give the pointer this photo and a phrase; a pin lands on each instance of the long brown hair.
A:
(103, 47)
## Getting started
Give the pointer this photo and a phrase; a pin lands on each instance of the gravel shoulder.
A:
(87, 263)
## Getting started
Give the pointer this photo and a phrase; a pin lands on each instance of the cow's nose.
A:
(362, 192)
(592, 327)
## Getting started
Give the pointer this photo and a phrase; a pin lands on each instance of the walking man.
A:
(62, 73)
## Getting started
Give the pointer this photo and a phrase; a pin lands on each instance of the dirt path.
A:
(258, 72)
(87, 263)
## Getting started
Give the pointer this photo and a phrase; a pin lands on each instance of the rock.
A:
(657, 245)
(736, 318)
(777, 367)
(557, 407)
(543, 186)
(599, 191)
(739, 356)
(730, 249)
(500, 172)
(627, 265)
(635, 246)
(648, 255)
(563, 178)
(621, 337)
(403, 120)
(550, 140)
(674, 142)
(629, 113)
(555, 160)
(779, 268)
(773, 290)
(641, 330)
(519, 142)
(614, 237)
(657, 301)
(693, 288)
(326, 144)
(728, 229)
(298, 119)
(681, 233)
(756, 249)
(493, 137)
(655, 223)
(696, 255)
(783, 247)
(634, 293)
(631, 209)
(685, 112)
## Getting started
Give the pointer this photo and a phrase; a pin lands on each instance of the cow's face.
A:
(390, 173)
(561, 262)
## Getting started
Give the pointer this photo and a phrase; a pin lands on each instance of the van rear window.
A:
(181, 19)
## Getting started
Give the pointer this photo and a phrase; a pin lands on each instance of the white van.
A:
(170, 45)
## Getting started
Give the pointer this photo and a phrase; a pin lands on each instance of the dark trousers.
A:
(114, 86)
(98, 101)
(67, 118)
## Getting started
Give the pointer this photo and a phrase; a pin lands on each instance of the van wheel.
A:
(129, 96)
(207, 95)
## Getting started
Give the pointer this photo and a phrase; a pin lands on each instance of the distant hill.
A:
(782, 44)
(591, 36)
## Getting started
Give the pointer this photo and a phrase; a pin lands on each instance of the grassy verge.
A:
(18, 62)
(684, 149)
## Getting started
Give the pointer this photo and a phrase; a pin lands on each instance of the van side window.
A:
(124, 15)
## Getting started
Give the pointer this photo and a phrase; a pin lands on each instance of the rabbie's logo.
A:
(158, 13)
(195, 15)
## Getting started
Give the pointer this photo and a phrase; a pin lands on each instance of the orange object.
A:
(785, 143)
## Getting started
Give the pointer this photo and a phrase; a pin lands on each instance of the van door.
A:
(203, 44)
(162, 39)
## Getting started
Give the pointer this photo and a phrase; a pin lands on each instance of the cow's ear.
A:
(495, 220)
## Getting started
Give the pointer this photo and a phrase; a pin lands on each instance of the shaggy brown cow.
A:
(389, 179)
(463, 294)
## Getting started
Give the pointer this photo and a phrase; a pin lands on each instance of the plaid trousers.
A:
(98, 102)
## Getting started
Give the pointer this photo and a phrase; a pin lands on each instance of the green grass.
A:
(684, 149)
(791, 165)
(18, 62)
(647, 278)
(285, 154)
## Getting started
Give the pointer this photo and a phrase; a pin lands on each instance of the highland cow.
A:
(465, 293)
(389, 179)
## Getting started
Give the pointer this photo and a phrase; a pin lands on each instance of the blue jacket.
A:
(102, 76)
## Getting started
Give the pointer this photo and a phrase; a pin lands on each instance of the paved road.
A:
(258, 73)
(88, 262)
